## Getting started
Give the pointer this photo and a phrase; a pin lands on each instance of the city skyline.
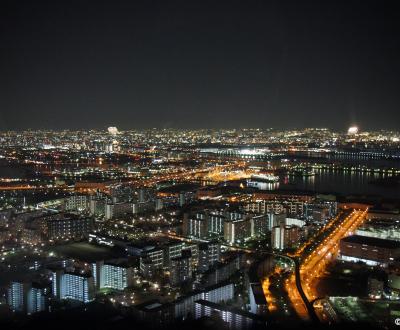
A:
(256, 225)
(341, 130)
(199, 164)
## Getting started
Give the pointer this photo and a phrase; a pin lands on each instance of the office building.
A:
(381, 228)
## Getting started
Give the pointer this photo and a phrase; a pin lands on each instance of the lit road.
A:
(315, 264)
(301, 286)
(29, 187)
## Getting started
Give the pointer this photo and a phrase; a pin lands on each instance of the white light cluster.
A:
(352, 130)
(113, 130)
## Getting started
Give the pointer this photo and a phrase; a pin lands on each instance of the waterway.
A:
(325, 181)
(344, 183)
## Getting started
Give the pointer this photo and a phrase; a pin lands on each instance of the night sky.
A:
(199, 64)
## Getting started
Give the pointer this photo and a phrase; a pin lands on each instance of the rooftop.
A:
(258, 293)
(231, 309)
(372, 241)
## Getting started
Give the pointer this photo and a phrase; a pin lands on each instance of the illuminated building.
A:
(259, 225)
(235, 318)
(275, 219)
(117, 209)
(381, 228)
(156, 256)
(68, 226)
(172, 250)
(181, 268)
(271, 206)
(27, 298)
(151, 262)
(156, 314)
(237, 230)
(283, 236)
(196, 227)
(31, 235)
(370, 250)
(216, 293)
(78, 287)
(222, 271)
(294, 222)
(73, 286)
(216, 223)
(97, 206)
(16, 296)
(208, 255)
(115, 276)
(76, 203)
(36, 299)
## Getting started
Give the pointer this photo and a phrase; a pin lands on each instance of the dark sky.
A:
(191, 64)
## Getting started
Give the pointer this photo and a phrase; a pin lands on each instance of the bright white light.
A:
(113, 130)
(253, 151)
(352, 130)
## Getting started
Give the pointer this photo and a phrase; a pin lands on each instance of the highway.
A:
(310, 265)
(301, 286)
(315, 264)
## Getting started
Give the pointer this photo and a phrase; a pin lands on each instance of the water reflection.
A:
(343, 182)
(263, 185)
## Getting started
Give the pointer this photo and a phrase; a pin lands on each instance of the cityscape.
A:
(199, 164)
(261, 228)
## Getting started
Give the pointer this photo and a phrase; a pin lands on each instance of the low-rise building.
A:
(370, 250)
(233, 317)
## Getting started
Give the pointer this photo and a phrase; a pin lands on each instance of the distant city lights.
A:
(352, 130)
